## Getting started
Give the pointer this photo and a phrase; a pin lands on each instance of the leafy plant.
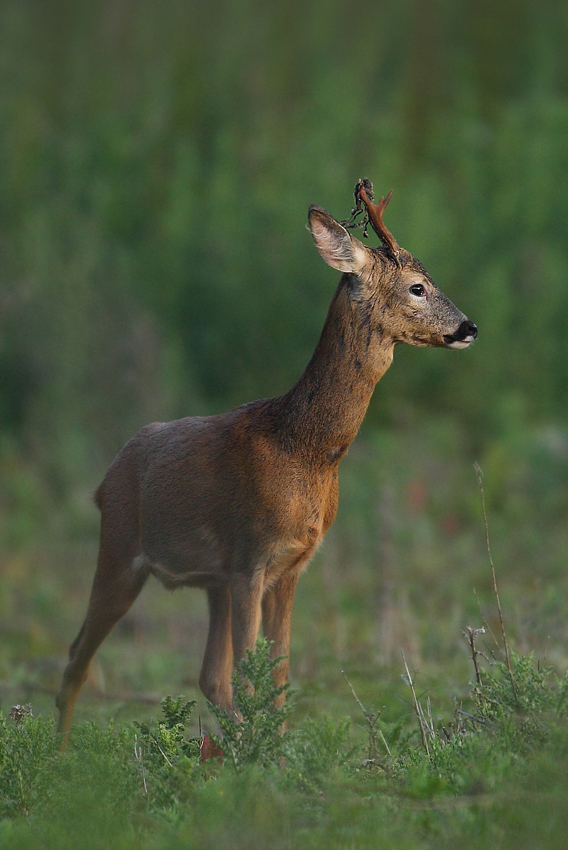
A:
(27, 749)
(538, 690)
(315, 752)
(167, 757)
(253, 733)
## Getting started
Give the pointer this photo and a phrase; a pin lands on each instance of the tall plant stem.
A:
(479, 474)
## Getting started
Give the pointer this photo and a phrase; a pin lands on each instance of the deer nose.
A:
(466, 329)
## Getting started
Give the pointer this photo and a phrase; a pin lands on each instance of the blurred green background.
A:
(156, 165)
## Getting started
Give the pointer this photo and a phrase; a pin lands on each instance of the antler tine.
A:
(375, 214)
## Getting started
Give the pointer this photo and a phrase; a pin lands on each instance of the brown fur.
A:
(238, 503)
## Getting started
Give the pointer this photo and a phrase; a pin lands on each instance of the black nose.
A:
(466, 329)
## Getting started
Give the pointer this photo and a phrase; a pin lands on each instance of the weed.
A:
(167, 757)
(315, 753)
(253, 733)
(143, 784)
(27, 748)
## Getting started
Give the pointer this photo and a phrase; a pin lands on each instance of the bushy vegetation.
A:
(256, 737)
(152, 784)
(157, 167)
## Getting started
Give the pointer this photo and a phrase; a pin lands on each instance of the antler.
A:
(363, 189)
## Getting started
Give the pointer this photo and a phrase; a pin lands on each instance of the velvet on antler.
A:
(363, 195)
(363, 189)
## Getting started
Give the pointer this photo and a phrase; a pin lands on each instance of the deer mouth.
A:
(463, 337)
(459, 343)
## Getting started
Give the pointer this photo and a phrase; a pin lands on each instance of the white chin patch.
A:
(461, 343)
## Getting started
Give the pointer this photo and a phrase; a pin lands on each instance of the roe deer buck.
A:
(238, 503)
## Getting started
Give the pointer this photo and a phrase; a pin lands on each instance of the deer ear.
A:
(336, 245)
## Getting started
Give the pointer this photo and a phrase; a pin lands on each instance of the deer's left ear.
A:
(337, 247)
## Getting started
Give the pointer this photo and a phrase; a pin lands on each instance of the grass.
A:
(470, 758)
(492, 775)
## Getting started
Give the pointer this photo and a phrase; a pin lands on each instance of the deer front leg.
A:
(246, 596)
(215, 677)
(276, 621)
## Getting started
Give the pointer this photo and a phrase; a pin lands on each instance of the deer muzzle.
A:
(464, 336)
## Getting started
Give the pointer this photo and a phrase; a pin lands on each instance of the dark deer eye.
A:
(418, 289)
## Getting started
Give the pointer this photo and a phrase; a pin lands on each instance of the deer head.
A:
(401, 301)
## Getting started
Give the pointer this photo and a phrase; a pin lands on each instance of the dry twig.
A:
(138, 757)
(471, 637)
(426, 729)
(372, 719)
(18, 712)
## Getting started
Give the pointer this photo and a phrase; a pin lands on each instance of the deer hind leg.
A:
(276, 622)
(117, 583)
(215, 677)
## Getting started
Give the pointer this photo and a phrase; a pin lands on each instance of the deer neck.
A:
(324, 410)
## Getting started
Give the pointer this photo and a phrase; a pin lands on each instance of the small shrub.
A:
(167, 757)
(521, 706)
(536, 690)
(514, 714)
(315, 752)
(92, 787)
(254, 734)
(27, 749)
